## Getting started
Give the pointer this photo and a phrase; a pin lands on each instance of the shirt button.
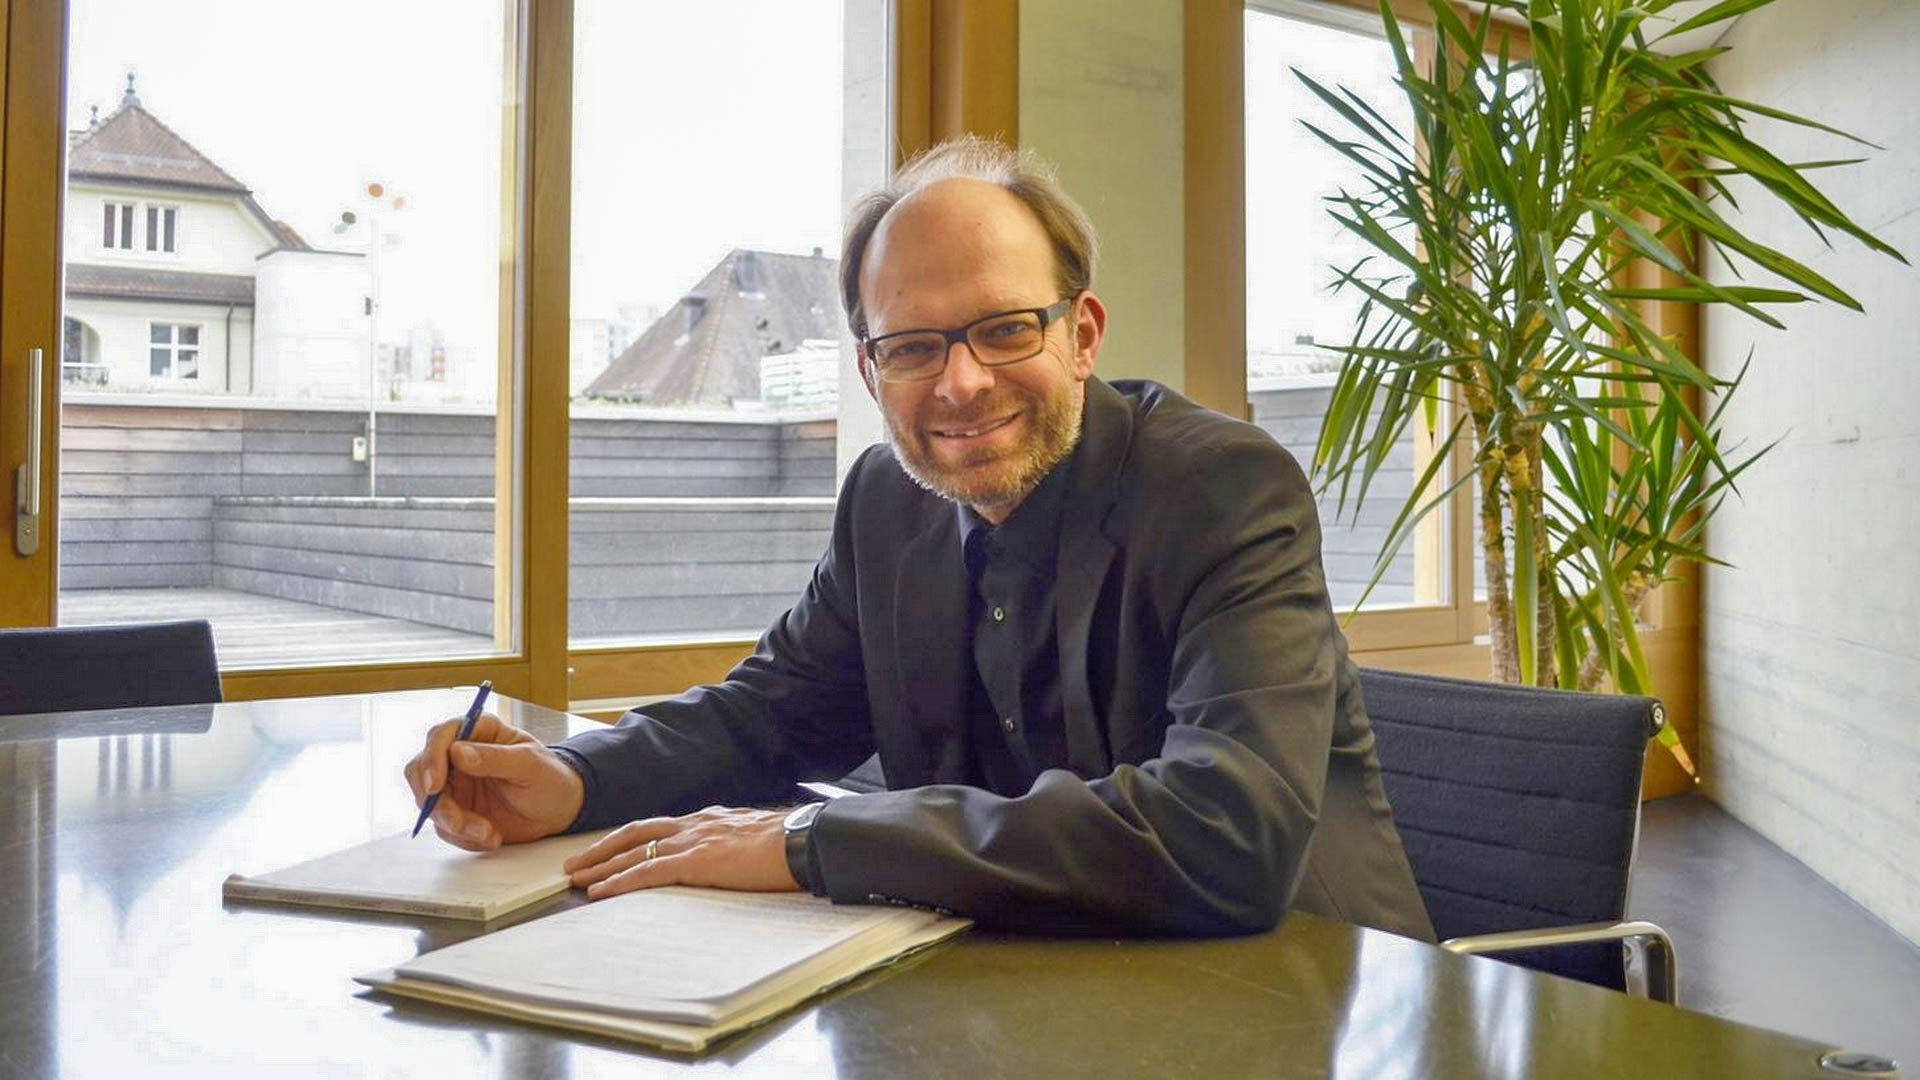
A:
(1007, 725)
(999, 614)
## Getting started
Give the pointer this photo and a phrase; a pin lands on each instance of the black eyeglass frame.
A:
(1048, 315)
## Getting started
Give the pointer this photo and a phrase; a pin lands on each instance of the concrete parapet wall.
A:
(680, 525)
(640, 566)
(138, 478)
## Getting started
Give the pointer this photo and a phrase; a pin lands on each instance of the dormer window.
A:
(119, 226)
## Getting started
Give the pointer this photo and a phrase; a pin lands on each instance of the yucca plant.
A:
(1503, 233)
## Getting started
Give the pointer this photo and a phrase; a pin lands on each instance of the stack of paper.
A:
(421, 877)
(677, 967)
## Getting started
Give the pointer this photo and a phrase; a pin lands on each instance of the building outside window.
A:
(173, 350)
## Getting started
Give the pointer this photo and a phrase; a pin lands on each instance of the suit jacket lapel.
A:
(931, 660)
(1081, 564)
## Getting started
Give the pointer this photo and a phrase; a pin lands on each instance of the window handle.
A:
(26, 523)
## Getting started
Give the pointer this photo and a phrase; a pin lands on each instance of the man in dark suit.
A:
(1084, 626)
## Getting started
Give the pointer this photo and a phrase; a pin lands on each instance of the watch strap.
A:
(799, 842)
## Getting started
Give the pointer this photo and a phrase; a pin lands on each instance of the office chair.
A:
(1519, 808)
(70, 668)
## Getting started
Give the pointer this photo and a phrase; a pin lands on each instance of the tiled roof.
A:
(131, 283)
(131, 144)
(706, 349)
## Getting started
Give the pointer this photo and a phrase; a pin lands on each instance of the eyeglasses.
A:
(996, 340)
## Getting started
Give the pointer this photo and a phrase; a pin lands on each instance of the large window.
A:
(289, 424)
(714, 146)
(1296, 316)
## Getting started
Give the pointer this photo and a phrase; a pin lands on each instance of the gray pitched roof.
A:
(133, 148)
(706, 349)
(131, 283)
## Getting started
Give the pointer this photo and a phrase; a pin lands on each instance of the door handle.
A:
(26, 483)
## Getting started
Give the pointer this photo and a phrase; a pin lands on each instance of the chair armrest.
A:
(1663, 967)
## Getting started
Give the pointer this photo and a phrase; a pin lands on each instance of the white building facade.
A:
(178, 280)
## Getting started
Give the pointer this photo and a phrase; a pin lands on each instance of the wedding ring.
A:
(653, 848)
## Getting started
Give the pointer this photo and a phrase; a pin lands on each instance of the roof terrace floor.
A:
(251, 631)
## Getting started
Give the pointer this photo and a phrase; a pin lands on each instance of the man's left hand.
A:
(720, 847)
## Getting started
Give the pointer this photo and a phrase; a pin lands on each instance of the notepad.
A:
(420, 876)
(675, 967)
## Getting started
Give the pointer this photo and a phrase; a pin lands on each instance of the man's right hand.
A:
(507, 787)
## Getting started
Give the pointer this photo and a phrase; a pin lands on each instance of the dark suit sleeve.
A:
(794, 710)
(1210, 835)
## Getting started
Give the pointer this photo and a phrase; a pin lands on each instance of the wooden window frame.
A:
(531, 507)
(931, 100)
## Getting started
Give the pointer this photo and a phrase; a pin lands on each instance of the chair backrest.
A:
(1518, 806)
(70, 668)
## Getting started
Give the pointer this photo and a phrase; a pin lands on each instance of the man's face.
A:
(942, 258)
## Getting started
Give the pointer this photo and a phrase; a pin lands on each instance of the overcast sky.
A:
(1290, 238)
(697, 128)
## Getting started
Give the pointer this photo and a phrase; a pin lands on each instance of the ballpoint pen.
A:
(466, 732)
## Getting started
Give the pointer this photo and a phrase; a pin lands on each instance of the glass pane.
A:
(707, 335)
(281, 463)
(1292, 314)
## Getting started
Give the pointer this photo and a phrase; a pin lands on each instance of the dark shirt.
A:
(1016, 719)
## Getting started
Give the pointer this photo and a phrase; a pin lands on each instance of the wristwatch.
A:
(799, 830)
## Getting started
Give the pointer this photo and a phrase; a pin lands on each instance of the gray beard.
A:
(1055, 437)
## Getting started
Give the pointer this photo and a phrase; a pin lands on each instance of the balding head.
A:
(954, 238)
(1067, 230)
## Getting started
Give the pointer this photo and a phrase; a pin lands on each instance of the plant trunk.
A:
(1520, 463)
(1493, 555)
(1593, 666)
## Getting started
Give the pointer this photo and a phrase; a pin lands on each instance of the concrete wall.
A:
(169, 494)
(674, 567)
(1101, 98)
(1811, 644)
(425, 560)
(640, 567)
(679, 526)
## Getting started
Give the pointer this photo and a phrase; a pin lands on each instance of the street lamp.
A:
(376, 204)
